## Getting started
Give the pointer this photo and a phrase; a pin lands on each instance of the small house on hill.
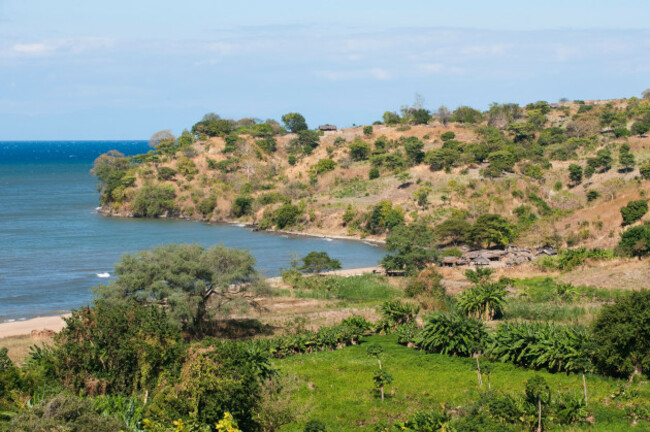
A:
(326, 127)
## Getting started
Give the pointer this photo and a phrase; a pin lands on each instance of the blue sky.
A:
(126, 69)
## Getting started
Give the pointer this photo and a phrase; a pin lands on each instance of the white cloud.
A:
(378, 74)
(57, 47)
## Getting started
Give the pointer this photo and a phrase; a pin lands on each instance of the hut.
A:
(326, 127)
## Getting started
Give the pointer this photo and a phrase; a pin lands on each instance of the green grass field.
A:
(337, 386)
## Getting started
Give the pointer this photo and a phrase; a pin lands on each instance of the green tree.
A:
(286, 215)
(184, 278)
(421, 116)
(465, 114)
(492, 229)
(241, 206)
(324, 165)
(155, 200)
(390, 118)
(633, 211)
(635, 241)
(411, 248)
(644, 170)
(163, 142)
(413, 148)
(453, 230)
(294, 122)
(621, 335)
(626, 159)
(359, 150)
(318, 262)
(522, 132)
(640, 127)
(575, 173)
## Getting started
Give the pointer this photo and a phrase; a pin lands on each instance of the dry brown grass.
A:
(18, 346)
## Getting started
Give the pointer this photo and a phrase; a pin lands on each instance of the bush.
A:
(324, 165)
(367, 130)
(269, 145)
(633, 211)
(359, 150)
(447, 136)
(452, 334)
(621, 335)
(206, 206)
(395, 313)
(166, 173)
(593, 195)
(373, 173)
(315, 426)
(644, 170)
(635, 241)
(242, 206)
(154, 201)
(286, 215)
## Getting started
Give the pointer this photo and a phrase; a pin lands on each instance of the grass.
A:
(364, 288)
(525, 310)
(338, 388)
(18, 346)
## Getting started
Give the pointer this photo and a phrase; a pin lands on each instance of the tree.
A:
(646, 93)
(184, 278)
(633, 211)
(317, 262)
(640, 127)
(421, 116)
(635, 241)
(413, 148)
(242, 205)
(538, 393)
(286, 215)
(465, 114)
(390, 118)
(155, 200)
(163, 142)
(575, 173)
(621, 335)
(627, 160)
(453, 230)
(492, 229)
(294, 122)
(522, 132)
(359, 150)
(443, 115)
(412, 247)
(644, 170)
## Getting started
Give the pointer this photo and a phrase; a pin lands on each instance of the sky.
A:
(96, 69)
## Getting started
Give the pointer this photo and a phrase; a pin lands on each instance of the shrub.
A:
(452, 334)
(242, 206)
(367, 130)
(294, 122)
(635, 241)
(292, 160)
(633, 211)
(447, 136)
(286, 215)
(269, 145)
(593, 195)
(621, 335)
(395, 313)
(324, 165)
(644, 170)
(154, 201)
(206, 206)
(166, 173)
(373, 173)
(491, 229)
(315, 426)
(359, 150)
(483, 301)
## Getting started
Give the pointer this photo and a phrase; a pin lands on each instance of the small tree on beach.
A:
(317, 262)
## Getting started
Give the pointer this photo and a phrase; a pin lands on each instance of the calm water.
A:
(53, 243)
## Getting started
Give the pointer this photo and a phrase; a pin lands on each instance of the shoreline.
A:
(25, 328)
(56, 322)
(371, 241)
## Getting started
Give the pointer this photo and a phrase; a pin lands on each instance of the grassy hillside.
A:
(360, 181)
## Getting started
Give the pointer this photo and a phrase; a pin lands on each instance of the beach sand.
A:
(21, 328)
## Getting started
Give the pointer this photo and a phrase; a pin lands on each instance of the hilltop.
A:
(514, 162)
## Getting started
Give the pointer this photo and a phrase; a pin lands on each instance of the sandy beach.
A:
(21, 328)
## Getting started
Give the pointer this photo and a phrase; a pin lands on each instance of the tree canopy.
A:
(294, 122)
(316, 262)
(182, 277)
(412, 247)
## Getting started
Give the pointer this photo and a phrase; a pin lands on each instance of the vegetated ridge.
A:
(555, 174)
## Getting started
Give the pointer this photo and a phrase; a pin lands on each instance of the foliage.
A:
(206, 205)
(635, 241)
(446, 136)
(294, 122)
(269, 144)
(396, 313)
(421, 116)
(543, 345)
(166, 173)
(306, 141)
(452, 334)
(413, 148)
(315, 426)
(65, 413)
(115, 348)
(484, 301)
(575, 173)
(359, 150)
(324, 165)
(354, 288)
(367, 130)
(383, 217)
(621, 335)
(465, 114)
(633, 211)
(155, 200)
(317, 262)
(286, 215)
(373, 173)
(241, 206)
(184, 278)
(568, 259)
(453, 230)
(644, 170)
(110, 169)
(411, 248)
(491, 229)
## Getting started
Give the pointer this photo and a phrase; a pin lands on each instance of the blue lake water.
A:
(53, 243)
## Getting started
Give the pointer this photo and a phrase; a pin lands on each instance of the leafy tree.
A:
(454, 230)
(500, 161)
(640, 127)
(413, 148)
(390, 118)
(447, 136)
(442, 158)
(465, 114)
(269, 144)
(213, 125)
(635, 241)
(421, 196)
(163, 142)
(575, 173)
(184, 278)
(318, 262)
(644, 170)
(421, 116)
(119, 347)
(411, 248)
(492, 229)
(633, 211)
(110, 168)
(307, 140)
(286, 215)
(384, 217)
(593, 195)
(359, 150)
(241, 206)
(294, 122)
(373, 173)
(621, 335)
(626, 159)
(155, 200)
(324, 165)
(367, 130)
(262, 130)
(206, 205)
(522, 132)
(538, 393)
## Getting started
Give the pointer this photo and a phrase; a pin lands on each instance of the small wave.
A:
(98, 208)
(241, 225)
(370, 244)
(328, 239)
(284, 236)
(9, 320)
(103, 275)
